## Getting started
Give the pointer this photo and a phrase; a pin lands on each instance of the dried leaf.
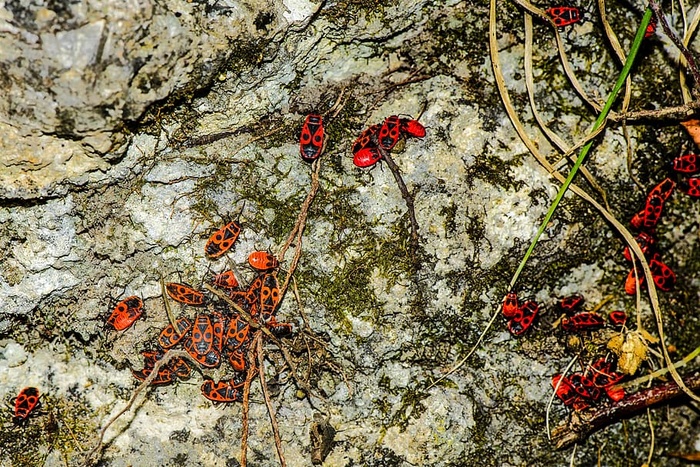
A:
(693, 128)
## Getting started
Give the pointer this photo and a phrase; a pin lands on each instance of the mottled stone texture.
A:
(132, 130)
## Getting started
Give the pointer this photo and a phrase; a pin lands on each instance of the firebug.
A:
(691, 187)
(183, 293)
(686, 164)
(126, 313)
(222, 240)
(211, 359)
(223, 391)
(389, 132)
(367, 157)
(311, 140)
(646, 243)
(585, 321)
(663, 276)
(564, 15)
(524, 317)
(584, 387)
(412, 128)
(225, 280)
(202, 335)
(510, 305)
(367, 139)
(631, 282)
(571, 303)
(24, 404)
(663, 189)
(262, 261)
(269, 295)
(617, 318)
(169, 337)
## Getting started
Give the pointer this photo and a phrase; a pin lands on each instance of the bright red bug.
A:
(311, 140)
(523, 318)
(686, 164)
(412, 128)
(367, 157)
(237, 359)
(617, 318)
(237, 333)
(180, 367)
(218, 323)
(616, 394)
(645, 241)
(603, 375)
(584, 386)
(564, 15)
(366, 139)
(389, 132)
(663, 190)
(169, 337)
(691, 187)
(252, 295)
(510, 305)
(571, 303)
(651, 28)
(202, 335)
(663, 276)
(211, 359)
(262, 261)
(222, 240)
(580, 322)
(223, 391)
(631, 282)
(651, 213)
(25, 403)
(225, 280)
(269, 295)
(563, 389)
(183, 293)
(126, 313)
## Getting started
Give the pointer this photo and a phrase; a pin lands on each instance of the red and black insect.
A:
(651, 28)
(312, 136)
(663, 276)
(252, 295)
(367, 157)
(564, 15)
(617, 318)
(646, 242)
(279, 329)
(571, 304)
(523, 318)
(686, 164)
(180, 367)
(662, 190)
(183, 293)
(631, 282)
(262, 261)
(237, 359)
(126, 313)
(202, 335)
(225, 280)
(223, 391)
(222, 240)
(603, 375)
(585, 321)
(162, 378)
(218, 324)
(26, 402)
(390, 132)
(412, 128)
(564, 391)
(584, 386)
(647, 218)
(691, 187)
(211, 359)
(169, 337)
(510, 305)
(237, 333)
(367, 139)
(269, 296)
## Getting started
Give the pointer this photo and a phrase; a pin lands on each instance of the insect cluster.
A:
(374, 143)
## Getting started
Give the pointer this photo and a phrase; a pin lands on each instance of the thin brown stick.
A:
(659, 13)
(407, 198)
(146, 383)
(582, 424)
(680, 113)
(268, 403)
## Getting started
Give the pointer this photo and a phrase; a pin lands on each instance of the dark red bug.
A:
(169, 337)
(366, 139)
(564, 15)
(602, 374)
(662, 190)
(367, 157)
(390, 132)
(183, 293)
(691, 187)
(651, 28)
(279, 329)
(311, 140)
(24, 404)
(663, 276)
(580, 322)
(571, 303)
(523, 318)
(650, 215)
(564, 391)
(584, 386)
(262, 261)
(225, 280)
(412, 128)
(222, 240)
(646, 243)
(617, 318)
(223, 391)
(510, 305)
(686, 164)
(269, 296)
(126, 313)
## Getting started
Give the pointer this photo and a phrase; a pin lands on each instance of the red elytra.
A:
(523, 318)
(218, 323)
(645, 241)
(169, 337)
(412, 128)
(269, 295)
(225, 280)
(183, 293)
(211, 359)
(691, 187)
(311, 139)
(237, 360)
(252, 295)
(564, 15)
(25, 403)
(222, 240)
(262, 261)
(585, 321)
(366, 139)
(651, 28)
(389, 132)
(652, 212)
(571, 303)
(237, 333)
(603, 375)
(202, 335)
(615, 393)
(663, 276)
(367, 157)
(662, 190)
(686, 164)
(223, 391)
(617, 318)
(631, 282)
(584, 387)
(563, 389)
(510, 305)
(126, 313)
